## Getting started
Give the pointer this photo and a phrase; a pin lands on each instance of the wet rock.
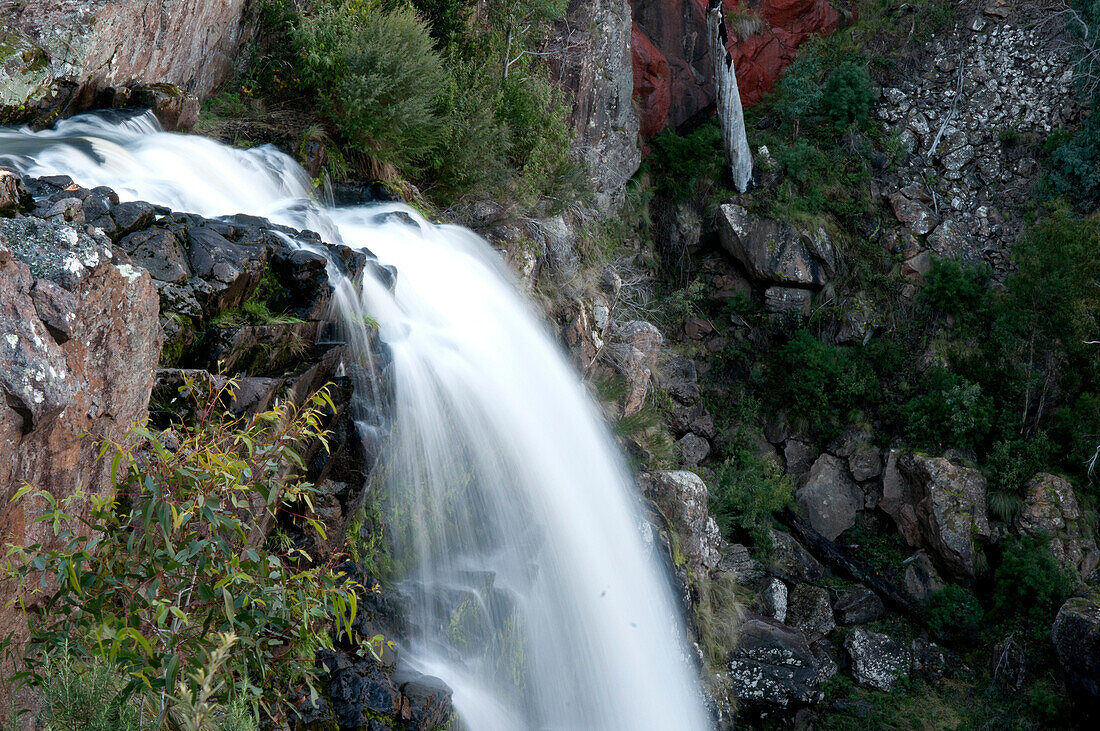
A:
(130, 217)
(809, 609)
(773, 666)
(425, 702)
(260, 349)
(682, 498)
(859, 606)
(160, 253)
(1076, 634)
(679, 378)
(773, 251)
(878, 661)
(1051, 509)
(13, 193)
(829, 499)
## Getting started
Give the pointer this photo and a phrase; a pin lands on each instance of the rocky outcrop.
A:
(940, 506)
(1051, 509)
(80, 343)
(591, 54)
(57, 55)
(774, 251)
(1076, 635)
(672, 64)
(681, 497)
(788, 264)
(774, 667)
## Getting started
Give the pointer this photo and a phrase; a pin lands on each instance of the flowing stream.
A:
(516, 526)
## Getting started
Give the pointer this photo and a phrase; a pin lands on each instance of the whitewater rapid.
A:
(516, 526)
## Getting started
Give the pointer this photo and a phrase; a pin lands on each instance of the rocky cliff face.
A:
(80, 343)
(672, 78)
(55, 55)
(591, 54)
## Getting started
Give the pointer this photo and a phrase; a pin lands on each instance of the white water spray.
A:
(534, 593)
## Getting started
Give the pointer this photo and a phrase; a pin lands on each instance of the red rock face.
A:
(672, 64)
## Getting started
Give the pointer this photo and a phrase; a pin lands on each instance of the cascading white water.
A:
(533, 589)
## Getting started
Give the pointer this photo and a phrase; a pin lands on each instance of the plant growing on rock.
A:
(155, 576)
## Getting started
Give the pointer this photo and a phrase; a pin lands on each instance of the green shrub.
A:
(166, 570)
(1075, 165)
(377, 76)
(1012, 462)
(682, 164)
(953, 614)
(949, 412)
(961, 290)
(848, 96)
(748, 489)
(1029, 588)
(821, 385)
(85, 694)
(798, 95)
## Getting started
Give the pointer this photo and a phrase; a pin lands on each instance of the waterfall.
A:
(517, 531)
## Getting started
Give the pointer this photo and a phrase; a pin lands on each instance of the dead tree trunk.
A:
(728, 99)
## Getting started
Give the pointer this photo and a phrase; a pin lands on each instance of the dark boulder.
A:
(774, 667)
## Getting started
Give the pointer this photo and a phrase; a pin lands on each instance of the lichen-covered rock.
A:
(878, 661)
(829, 498)
(682, 499)
(809, 609)
(1076, 634)
(57, 55)
(772, 599)
(774, 666)
(1051, 508)
(694, 449)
